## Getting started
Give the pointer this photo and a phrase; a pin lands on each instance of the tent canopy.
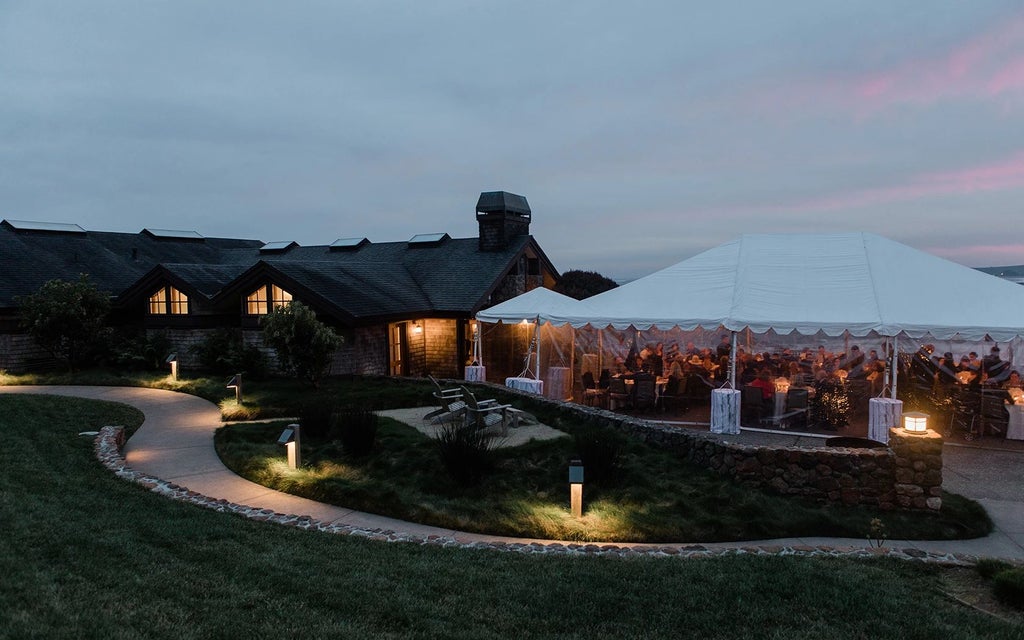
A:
(536, 304)
(856, 282)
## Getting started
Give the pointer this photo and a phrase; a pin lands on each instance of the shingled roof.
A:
(372, 281)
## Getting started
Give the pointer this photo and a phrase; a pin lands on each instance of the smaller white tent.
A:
(536, 305)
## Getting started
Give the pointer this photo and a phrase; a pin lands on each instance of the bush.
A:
(305, 346)
(315, 419)
(224, 352)
(988, 568)
(68, 319)
(143, 351)
(466, 453)
(1009, 587)
(356, 429)
(601, 453)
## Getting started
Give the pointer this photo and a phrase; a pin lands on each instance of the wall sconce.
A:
(417, 328)
(576, 487)
(173, 361)
(236, 384)
(291, 440)
(915, 422)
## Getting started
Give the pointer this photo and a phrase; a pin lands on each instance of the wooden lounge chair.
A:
(485, 413)
(452, 406)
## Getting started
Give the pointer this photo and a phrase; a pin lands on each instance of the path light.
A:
(291, 441)
(576, 487)
(173, 361)
(236, 384)
(915, 422)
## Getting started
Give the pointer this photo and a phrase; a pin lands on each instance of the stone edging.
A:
(110, 441)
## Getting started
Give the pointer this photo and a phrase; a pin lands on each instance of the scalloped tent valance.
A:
(833, 283)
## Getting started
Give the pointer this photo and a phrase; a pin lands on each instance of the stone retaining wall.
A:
(906, 476)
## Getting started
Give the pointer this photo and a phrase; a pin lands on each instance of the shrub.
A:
(466, 453)
(601, 453)
(304, 345)
(315, 419)
(1009, 587)
(143, 351)
(68, 319)
(356, 429)
(988, 567)
(224, 352)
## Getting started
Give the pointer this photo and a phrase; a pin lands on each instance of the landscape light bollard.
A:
(173, 361)
(576, 488)
(915, 422)
(291, 440)
(236, 384)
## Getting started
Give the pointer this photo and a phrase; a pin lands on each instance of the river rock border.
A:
(109, 446)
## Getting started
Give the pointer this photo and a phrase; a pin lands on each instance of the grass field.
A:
(85, 555)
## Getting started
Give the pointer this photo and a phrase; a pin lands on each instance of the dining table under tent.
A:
(776, 289)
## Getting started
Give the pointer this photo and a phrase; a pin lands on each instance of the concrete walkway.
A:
(175, 444)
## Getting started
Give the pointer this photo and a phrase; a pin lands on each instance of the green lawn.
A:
(85, 555)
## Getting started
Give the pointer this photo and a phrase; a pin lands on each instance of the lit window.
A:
(266, 297)
(168, 300)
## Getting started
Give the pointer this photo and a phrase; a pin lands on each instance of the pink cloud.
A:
(988, 65)
(981, 254)
(996, 176)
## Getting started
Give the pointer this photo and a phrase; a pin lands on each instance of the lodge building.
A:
(404, 308)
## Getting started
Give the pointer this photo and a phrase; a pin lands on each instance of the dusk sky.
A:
(640, 133)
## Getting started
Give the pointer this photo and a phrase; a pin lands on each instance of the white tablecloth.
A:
(780, 403)
(1015, 430)
(725, 411)
(476, 374)
(559, 385)
(525, 384)
(883, 413)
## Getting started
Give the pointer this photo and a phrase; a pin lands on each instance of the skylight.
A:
(57, 227)
(278, 247)
(348, 243)
(428, 238)
(175, 234)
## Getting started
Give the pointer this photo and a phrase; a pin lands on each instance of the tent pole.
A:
(536, 337)
(895, 361)
(600, 351)
(572, 360)
(732, 360)
(478, 350)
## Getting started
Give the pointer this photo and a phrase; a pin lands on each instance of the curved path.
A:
(175, 444)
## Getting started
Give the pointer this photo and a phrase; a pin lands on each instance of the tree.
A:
(583, 284)
(68, 319)
(304, 345)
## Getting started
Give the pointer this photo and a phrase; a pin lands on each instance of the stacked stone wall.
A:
(908, 476)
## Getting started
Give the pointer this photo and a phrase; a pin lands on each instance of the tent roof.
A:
(856, 282)
(536, 303)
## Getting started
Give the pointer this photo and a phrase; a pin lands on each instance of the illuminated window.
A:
(261, 300)
(168, 300)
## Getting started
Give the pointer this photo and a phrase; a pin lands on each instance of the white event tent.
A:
(833, 283)
(836, 284)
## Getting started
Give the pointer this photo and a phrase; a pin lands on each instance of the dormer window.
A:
(267, 297)
(168, 301)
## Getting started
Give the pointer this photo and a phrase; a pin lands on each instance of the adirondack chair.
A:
(481, 414)
(452, 406)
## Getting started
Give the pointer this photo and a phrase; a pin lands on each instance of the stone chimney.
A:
(502, 216)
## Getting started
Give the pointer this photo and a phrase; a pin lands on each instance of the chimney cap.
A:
(502, 202)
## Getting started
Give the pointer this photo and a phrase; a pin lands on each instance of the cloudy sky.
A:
(641, 133)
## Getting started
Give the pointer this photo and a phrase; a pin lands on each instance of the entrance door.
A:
(398, 349)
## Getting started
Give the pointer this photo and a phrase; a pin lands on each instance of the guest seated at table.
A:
(974, 360)
(866, 366)
(850, 360)
(678, 367)
(993, 364)
(1013, 382)
(876, 376)
(965, 374)
(822, 357)
(763, 381)
(798, 376)
(619, 368)
(945, 368)
(691, 350)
